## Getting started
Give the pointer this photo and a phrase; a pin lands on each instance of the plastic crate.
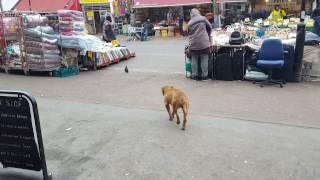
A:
(66, 72)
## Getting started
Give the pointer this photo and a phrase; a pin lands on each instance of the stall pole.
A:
(1, 7)
(30, 8)
(214, 4)
(301, 33)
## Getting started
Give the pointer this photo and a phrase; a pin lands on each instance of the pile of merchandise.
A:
(109, 55)
(71, 22)
(284, 23)
(10, 26)
(13, 56)
(252, 35)
(37, 47)
(10, 34)
(40, 44)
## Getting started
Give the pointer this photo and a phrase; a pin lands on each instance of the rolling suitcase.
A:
(210, 66)
(223, 67)
(237, 65)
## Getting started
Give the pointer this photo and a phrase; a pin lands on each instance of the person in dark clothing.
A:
(147, 30)
(316, 17)
(180, 22)
(108, 34)
(210, 18)
(102, 19)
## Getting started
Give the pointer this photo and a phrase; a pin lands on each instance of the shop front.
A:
(231, 11)
(94, 11)
(169, 10)
(292, 7)
(168, 16)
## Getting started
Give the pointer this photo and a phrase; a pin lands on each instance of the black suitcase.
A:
(223, 67)
(287, 72)
(210, 66)
(237, 65)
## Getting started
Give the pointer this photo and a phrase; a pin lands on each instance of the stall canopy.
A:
(168, 3)
(43, 6)
(73, 5)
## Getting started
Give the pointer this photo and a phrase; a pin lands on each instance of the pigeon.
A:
(126, 69)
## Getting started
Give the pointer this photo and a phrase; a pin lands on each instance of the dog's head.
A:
(165, 89)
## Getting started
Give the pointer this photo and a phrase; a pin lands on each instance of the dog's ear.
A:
(162, 91)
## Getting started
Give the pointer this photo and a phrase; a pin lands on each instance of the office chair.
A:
(271, 56)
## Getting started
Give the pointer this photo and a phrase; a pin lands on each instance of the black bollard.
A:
(298, 55)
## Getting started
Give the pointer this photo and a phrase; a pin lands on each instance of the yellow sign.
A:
(90, 54)
(90, 13)
(94, 1)
(115, 43)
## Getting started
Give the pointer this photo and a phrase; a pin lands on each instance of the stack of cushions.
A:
(71, 22)
(40, 45)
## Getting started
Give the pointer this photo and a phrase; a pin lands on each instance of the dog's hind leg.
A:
(178, 118)
(185, 109)
(169, 112)
(175, 112)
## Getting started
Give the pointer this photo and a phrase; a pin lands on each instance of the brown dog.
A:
(176, 99)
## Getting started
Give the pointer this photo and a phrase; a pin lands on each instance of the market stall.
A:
(94, 11)
(37, 47)
(236, 60)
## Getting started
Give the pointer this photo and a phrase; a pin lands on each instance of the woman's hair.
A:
(194, 12)
(316, 12)
(108, 18)
(276, 6)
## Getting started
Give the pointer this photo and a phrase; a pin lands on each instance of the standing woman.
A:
(108, 34)
(199, 30)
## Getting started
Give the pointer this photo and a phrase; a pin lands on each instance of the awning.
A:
(46, 6)
(73, 5)
(232, 1)
(168, 3)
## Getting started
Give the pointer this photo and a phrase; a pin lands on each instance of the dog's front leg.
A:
(169, 112)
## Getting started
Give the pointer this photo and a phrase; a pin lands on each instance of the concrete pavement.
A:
(107, 142)
(111, 125)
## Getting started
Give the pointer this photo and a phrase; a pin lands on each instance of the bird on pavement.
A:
(126, 69)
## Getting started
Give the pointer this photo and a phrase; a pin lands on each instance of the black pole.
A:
(303, 10)
(301, 33)
(30, 8)
(317, 3)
